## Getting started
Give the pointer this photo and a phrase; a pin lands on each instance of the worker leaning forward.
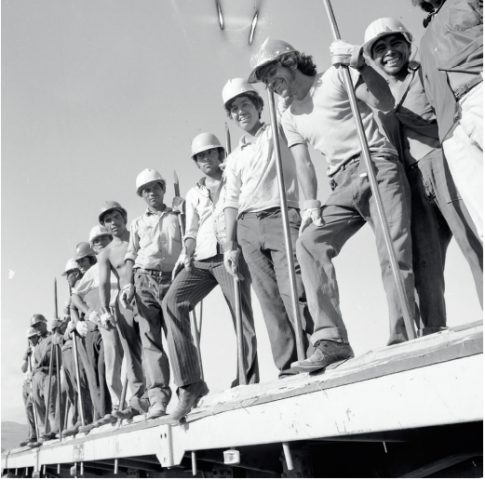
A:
(319, 113)
(153, 249)
(90, 348)
(111, 260)
(437, 209)
(254, 222)
(451, 53)
(86, 298)
(32, 339)
(47, 414)
(202, 261)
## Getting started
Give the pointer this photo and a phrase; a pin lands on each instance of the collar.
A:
(149, 211)
(249, 139)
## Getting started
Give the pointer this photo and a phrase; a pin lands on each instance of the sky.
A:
(94, 91)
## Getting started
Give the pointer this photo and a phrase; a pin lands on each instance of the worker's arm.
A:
(105, 268)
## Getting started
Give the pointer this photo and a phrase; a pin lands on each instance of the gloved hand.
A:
(231, 262)
(343, 53)
(107, 320)
(93, 316)
(178, 205)
(71, 326)
(57, 338)
(82, 328)
(184, 261)
(310, 213)
(127, 294)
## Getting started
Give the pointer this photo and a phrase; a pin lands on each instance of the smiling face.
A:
(209, 161)
(115, 222)
(245, 113)
(153, 193)
(391, 53)
(278, 78)
(100, 242)
(84, 264)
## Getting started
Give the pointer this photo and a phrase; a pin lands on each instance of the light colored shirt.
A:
(323, 119)
(199, 220)
(155, 241)
(88, 288)
(251, 178)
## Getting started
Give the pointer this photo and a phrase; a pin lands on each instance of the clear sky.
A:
(94, 91)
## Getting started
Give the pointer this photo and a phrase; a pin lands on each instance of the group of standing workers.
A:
(423, 126)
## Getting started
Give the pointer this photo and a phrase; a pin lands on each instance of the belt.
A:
(464, 89)
(347, 164)
(153, 273)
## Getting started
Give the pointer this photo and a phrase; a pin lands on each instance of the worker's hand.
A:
(231, 262)
(127, 294)
(184, 261)
(343, 53)
(71, 326)
(93, 316)
(82, 328)
(57, 338)
(178, 205)
(107, 320)
(310, 213)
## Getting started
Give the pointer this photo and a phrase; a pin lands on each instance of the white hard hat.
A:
(269, 51)
(83, 249)
(98, 231)
(382, 27)
(70, 265)
(147, 176)
(203, 142)
(109, 206)
(235, 87)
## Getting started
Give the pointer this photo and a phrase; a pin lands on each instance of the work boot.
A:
(188, 398)
(49, 435)
(25, 442)
(157, 410)
(326, 352)
(34, 443)
(71, 431)
(108, 418)
(86, 428)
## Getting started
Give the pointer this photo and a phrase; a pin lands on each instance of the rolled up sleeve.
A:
(232, 183)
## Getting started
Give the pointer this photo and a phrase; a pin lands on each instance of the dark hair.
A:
(253, 96)
(220, 150)
(304, 63)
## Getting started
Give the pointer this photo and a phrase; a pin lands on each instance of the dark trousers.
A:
(262, 241)
(149, 293)
(437, 213)
(350, 206)
(189, 288)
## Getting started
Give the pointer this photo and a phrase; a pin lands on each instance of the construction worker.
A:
(202, 264)
(111, 260)
(73, 275)
(437, 210)
(41, 380)
(32, 339)
(254, 221)
(319, 113)
(154, 246)
(85, 296)
(451, 53)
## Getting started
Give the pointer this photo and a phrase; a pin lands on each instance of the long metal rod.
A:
(286, 229)
(49, 385)
(34, 406)
(58, 381)
(78, 378)
(398, 280)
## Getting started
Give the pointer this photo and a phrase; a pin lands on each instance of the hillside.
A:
(12, 434)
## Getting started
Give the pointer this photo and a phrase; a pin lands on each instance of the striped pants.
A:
(189, 288)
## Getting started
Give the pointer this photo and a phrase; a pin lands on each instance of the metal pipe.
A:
(49, 385)
(193, 457)
(123, 398)
(286, 229)
(115, 467)
(34, 406)
(58, 381)
(288, 457)
(398, 280)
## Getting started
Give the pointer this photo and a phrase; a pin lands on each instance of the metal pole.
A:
(237, 304)
(56, 310)
(78, 378)
(286, 229)
(398, 280)
(49, 385)
(58, 381)
(34, 407)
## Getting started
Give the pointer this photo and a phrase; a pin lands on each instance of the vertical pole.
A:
(34, 406)
(78, 378)
(49, 385)
(58, 381)
(56, 309)
(398, 280)
(286, 229)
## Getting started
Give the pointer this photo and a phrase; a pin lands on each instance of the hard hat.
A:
(83, 249)
(70, 265)
(203, 142)
(269, 51)
(98, 231)
(108, 206)
(37, 318)
(31, 332)
(235, 87)
(147, 176)
(382, 27)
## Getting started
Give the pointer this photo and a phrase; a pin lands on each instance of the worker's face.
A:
(391, 53)
(40, 328)
(84, 264)
(153, 194)
(115, 222)
(34, 340)
(72, 277)
(209, 162)
(244, 112)
(278, 78)
(100, 242)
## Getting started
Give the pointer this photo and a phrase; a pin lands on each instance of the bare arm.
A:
(230, 219)
(105, 268)
(79, 303)
(305, 170)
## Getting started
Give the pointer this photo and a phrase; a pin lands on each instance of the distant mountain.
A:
(12, 434)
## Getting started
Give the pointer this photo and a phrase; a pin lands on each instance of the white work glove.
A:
(184, 261)
(93, 316)
(178, 205)
(343, 53)
(107, 320)
(126, 295)
(82, 328)
(231, 262)
(311, 212)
